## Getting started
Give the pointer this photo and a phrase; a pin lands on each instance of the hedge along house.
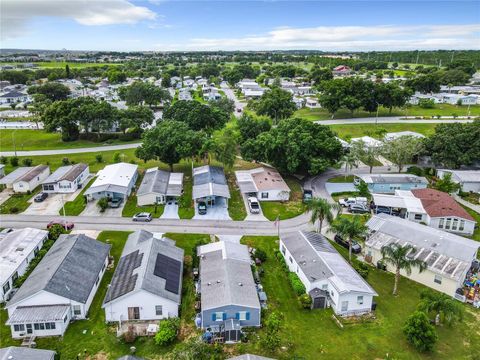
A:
(229, 297)
(448, 256)
(25, 179)
(210, 185)
(159, 186)
(147, 283)
(266, 183)
(17, 250)
(114, 181)
(60, 288)
(328, 278)
(66, 179)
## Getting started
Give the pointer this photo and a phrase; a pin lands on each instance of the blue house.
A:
(388, 183)
(229, 297)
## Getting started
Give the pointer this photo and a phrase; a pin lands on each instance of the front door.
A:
(29, 328)
(319, 303)
(133, 313)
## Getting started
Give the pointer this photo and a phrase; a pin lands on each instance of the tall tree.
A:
(349, 161)
(402, 150)
(251, 126)
(52, 91)
(398, 256)
(446, 184)
(349, 228)
(135, 118)
(321, 210)
(225, 141)
(275, 103)
(442, 305)
(367, 154)
(420, 333)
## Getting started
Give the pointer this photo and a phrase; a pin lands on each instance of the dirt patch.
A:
(99, 356)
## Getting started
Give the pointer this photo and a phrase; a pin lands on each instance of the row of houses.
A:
(446, 98)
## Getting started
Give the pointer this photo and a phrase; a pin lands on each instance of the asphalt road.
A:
(387, 120)
(71, 151)
(229, 93)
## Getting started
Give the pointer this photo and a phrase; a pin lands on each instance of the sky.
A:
(161, 25)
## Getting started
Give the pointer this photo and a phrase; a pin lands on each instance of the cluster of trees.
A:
(277, 104)
(140, 93)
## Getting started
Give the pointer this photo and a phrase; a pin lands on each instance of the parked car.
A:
(307, 195)
(346, 202)
(202, 208)
(66, 224)
(253, 205)
(40, 197)
(356, 181)
(356, 248)
(382, 210)
(115, 203)
(144, 216)
(358, 209)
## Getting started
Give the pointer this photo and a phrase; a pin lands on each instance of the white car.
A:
(253, 205)
(346, 202)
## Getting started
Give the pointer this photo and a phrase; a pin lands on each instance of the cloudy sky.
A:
(239, 25)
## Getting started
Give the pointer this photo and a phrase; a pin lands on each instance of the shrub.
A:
(27, 162)
(296, 283)
(361, 268)
(116, 157)
(65, 161)
(99, 158)
(14, 161)
(420, 333)
(3, 159)
(415, 170)
(306, 301)
(55, 231)
(167, 331)
(273, 325)
(261, 255)
(103, 204)
(14, 210)
(426, 103)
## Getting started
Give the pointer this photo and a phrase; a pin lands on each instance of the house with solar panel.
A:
(328, 278)
(449, 257)
(60, 288)
(229, 297)
(210, 185)
(159, 186)
(147, 283)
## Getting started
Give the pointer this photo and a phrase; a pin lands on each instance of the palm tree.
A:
(443, 305)
(349, 228)
(322, 210)
(397, 256)
(349, 161)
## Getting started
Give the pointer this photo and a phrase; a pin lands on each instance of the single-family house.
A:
(456, 99)
(253, 93)
(299, 102)
(17, 250)
(60, 288)
(227, 289)
(388, 183)
(25, 353)
(469, 180)
(312, 103)
(444, 212)
(341, 70)
(159, 187)
(13, 97)
(265, 182)
(395, 135)
(448, 256)
(184, 94)
(25, 179)
(67, 179)
(210, 185)
(368, 142)
(417, 97)
(328, 278)
(147, 283)
(113, 181)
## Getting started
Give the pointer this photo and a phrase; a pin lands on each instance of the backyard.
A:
(236, 206)
(287, 209)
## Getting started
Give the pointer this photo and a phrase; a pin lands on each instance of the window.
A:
(441, 223)
(242, 315)
(35, 251)
(39, 326)
(103, 267)
(447, 224)
(96, 281)
(14, 277)
(290, 259)
(462, 225)
(52, 326)
(158, 310)
(77, 310)
(344, 305)
(48, 326)
(264, 195)
(437, 279)
(455, 224)
(283, 250)
(324, 286)
(218, 316)
(418, 216)
(6, 287)
(65, 318)
(359, 300)
(20, 327)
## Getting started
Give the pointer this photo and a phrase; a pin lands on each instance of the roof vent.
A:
(218, 281)
(209, 283)
(240, 284)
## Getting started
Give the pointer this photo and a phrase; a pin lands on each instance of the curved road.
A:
(71, 151)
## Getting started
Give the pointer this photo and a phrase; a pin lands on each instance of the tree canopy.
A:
(140, 93)
(52, 91)
(275, 103)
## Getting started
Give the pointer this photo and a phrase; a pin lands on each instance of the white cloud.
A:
(17, 14)
(349, 38)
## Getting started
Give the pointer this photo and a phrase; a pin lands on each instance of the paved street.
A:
(229, 93)
(71, 151)
(387, 120)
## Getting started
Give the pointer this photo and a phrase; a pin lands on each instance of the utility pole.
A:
(14, 143)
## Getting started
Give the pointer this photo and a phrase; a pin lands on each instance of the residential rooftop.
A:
(161, 182)
(260, 179)
(392, 178)
(439, 204)
(68, 173)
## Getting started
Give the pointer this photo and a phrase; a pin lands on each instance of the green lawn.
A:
(308, 334)
(357, 130)
(476, 216)
(62, 64)
(131, 207)
(41, 140)
(18, 203)
(341, 179)
(236, 206)
(185, 202)
(287, 209)
(76, 206)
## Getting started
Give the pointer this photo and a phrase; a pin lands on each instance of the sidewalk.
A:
(471, 206)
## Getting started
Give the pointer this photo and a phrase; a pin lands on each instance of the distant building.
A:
(395, 135)
(13, 97)
(388, 183)
(341, 70)
(469, 180)
(368, 141)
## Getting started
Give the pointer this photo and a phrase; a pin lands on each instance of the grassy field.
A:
(313, 334)
(131, 207)
(42, 140)
(414, 110)
(186, 208)
(18, 203)
(287, 209)
(236, 206)
(76, 206)
(341, 179)
(62, 64)
(358, 130)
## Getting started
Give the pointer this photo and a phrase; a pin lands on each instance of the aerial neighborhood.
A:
(294, 192)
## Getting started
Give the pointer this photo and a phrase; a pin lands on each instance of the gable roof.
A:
(226, 276)
(16, 175)
(13, 94)
(161, 182)
(464, 175)
(439, 204)
(260, 179)
(209, 181)
(115, 177)
(149, 263)
(23, 353)
(69, 173)
(319, 260)
(392, 179)
(69, 269)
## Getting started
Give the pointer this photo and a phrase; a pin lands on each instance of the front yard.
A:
(288, 209)
(76, 206)
(18, 203)
(131, 207)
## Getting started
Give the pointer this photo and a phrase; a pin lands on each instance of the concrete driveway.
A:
(93, 210)
(217, 212)
(250, 216)
(171, 210)
(51, 205)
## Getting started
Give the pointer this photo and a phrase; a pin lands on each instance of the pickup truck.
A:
(346, 202)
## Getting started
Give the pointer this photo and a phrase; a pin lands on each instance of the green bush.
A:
(27, 162)
(99, 158)
(426, 103)
(14, 161)
(420, 333)
(3, 159)
(361, 268)
(261, 255)
(103, 204)
(65, 161)
(55, 231)
(296, 283)
(305, 300)
(116, 157)
(415, 170)
(167, 331)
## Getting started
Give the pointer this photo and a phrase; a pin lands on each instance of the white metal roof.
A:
(401, 199)
(115, 174)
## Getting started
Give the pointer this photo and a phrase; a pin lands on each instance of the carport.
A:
(210, 186)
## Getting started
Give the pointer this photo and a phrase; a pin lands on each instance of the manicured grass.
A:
(186, 208)
(357, 130)
(76, 206)
(312, 334)
(62, 64)
(18, 203)
(341, 179)
(131, 207)
(288, 209)
(476, 216)
(41, 140)
(236, 206)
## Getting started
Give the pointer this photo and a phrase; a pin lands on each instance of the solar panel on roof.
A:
(124, 281)
(170, 270)
(318, 242)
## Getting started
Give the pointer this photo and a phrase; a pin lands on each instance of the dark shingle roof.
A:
(21, 353)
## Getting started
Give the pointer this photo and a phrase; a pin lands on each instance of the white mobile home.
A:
(328, 277)
(468, 179)
(67, 179)
(159, 186)
(114, 181)
(25, 179)
(266, 183)
(61, 287)
(17, 249)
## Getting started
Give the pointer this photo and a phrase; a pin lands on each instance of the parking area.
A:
(92, 209)
(250, 216)
(51, 205)
(171, 210)
(219, 211)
